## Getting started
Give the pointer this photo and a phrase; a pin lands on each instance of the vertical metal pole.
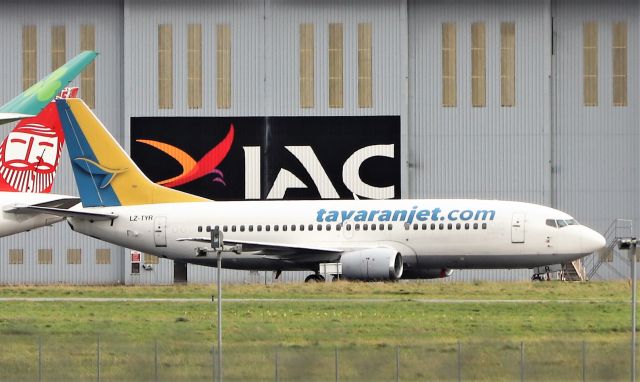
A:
(213, 363)
(40, 358)
(155, 361)
(98, 359)
(219, 370)
(397, 363)
(634, 299)
(337, 372)
(459, 362)
(277, 364)
(521, 361)
(584, 361)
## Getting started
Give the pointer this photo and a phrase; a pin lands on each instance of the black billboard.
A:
(237, 158)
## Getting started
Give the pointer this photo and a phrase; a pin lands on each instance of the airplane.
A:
(30, 102)
(29, 157)
(372, 239)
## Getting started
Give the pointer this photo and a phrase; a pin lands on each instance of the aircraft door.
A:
(160, 231)
(517, 228)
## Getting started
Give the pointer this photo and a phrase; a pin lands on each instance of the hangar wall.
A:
(596, 168)
(474, 139)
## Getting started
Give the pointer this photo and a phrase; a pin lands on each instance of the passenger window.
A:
(319, 227)
(381, 227)
(348, 226)
(259, 228)
(424, 226)
(276, 228)
(301, 227)
(267, 228)
(250, 228)
(217, 227)
(449, 226)
(390, 227)
(475, 225)
(484, 225)
(466, 225)
(233, 228)
(225, 228)
(373, 227)
(293, 227)
(357, 227)
(551, 223)
(310, 227)
(365, 227)
(338, 227)
(199, 228)
(328, 227)
(242, 228)
(284, 227)
(208, 228)
(406, 226)
(458, 226)
(415, 226)
(433, 226)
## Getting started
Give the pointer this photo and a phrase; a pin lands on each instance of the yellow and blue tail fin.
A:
(104, 173)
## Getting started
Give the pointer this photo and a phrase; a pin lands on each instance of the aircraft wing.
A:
(33, 100)
(280, 251)
(58, 208)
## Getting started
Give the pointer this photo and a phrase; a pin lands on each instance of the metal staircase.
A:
(619, 228)
(574, 271)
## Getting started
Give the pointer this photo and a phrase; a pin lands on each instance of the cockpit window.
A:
(559, 223)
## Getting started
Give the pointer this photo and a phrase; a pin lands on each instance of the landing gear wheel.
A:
(314, 278)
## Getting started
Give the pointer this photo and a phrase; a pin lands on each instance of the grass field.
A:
(552, 327)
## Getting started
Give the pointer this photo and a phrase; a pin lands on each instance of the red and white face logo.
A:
(29, 155)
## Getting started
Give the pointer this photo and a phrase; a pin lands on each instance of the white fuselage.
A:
(429, 234)
(11, 223)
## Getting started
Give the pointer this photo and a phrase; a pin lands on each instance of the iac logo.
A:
(192, 170)
(286, 180)
(238, 158)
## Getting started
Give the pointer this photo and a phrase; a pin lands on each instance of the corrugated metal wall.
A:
(283, 21)
(596, 161)
(107, 18)
(490, 152)
(479, 152)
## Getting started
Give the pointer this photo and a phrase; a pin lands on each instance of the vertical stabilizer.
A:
(30, 154)
(33, 100)
(104, 173)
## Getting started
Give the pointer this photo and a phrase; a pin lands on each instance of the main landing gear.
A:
(318, 278)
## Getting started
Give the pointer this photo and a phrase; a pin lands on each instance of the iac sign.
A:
(287, 180)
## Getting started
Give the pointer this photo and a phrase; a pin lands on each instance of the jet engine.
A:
(437, 273)
(372, 264)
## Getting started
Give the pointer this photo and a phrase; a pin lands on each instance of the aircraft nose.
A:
(592, 241)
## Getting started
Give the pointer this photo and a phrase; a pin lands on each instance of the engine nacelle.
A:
(426, 273)
(372, 264)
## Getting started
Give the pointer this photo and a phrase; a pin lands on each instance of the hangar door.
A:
(517, 228)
